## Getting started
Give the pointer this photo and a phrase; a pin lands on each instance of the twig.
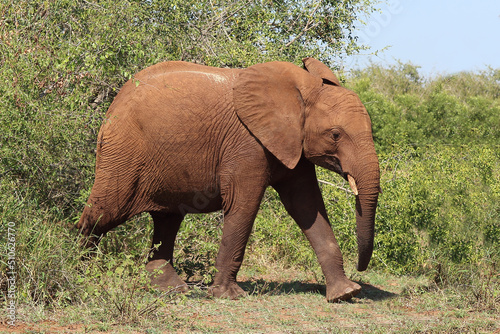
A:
(334, 185)
(307, 27)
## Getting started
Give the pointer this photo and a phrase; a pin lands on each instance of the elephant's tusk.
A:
(352, 183)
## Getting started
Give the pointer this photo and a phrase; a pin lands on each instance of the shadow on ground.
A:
(374, 293)
(263, 287)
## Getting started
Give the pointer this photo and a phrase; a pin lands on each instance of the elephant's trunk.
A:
(368, 187)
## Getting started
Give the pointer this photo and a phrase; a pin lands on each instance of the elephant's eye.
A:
(336, 134)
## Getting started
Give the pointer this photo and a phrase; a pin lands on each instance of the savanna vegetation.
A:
(437, 245)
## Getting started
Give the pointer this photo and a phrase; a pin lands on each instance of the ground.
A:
(285, 303)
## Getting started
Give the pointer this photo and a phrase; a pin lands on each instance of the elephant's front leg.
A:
(302, 199)
(241, 203)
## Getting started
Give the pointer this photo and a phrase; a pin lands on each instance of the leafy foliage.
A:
(458, 109)
(447, 205)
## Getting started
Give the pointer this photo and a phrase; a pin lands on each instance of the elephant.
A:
(182, 138)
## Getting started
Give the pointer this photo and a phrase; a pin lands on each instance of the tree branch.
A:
(307, 27)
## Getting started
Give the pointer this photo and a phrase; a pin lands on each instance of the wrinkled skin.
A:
(183, 138)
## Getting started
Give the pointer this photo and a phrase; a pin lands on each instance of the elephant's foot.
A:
(342, 290)
(230, 290)
(164, 277)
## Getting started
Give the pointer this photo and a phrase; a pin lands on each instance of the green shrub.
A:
(444, 200)
(460, 109)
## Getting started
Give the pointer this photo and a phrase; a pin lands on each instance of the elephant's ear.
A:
(268, 100)
(317, 68)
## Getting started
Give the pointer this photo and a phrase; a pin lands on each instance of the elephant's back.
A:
(175, 91)
(168, 69)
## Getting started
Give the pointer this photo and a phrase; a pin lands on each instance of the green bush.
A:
(444, 201)
(460, 109)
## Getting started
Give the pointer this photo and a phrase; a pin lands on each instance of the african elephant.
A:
(184, 138)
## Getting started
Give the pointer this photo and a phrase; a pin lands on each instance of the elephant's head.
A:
(295, 112)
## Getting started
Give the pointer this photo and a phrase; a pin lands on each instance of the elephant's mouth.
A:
(333, 163)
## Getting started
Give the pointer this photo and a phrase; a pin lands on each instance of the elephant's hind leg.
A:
(163, 275)
(111, 202)
(95, 222)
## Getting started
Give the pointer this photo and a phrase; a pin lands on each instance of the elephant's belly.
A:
(201, 201)
(185, 183)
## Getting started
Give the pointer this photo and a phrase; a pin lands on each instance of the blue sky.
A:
(441, 36)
